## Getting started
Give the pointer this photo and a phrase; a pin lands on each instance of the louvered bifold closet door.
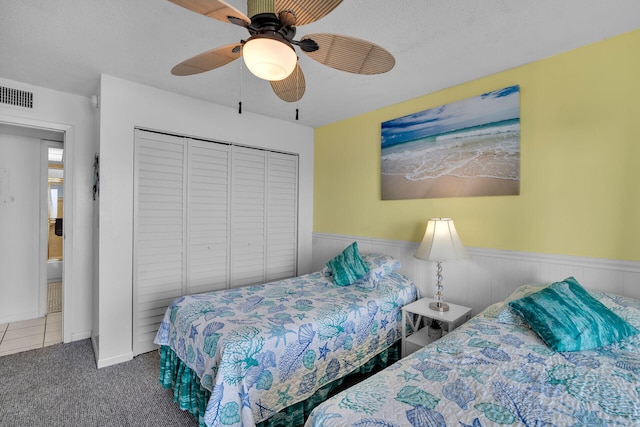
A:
(248, 238)
(207, 216)
(282, 216)
(159, 229)
(208, 225)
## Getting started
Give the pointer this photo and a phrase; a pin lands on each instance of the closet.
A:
(207, 216)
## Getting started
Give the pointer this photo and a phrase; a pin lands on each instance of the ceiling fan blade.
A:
(216, 9)
(292, 88)
(209, 60)
(350, 54)
(306, 11)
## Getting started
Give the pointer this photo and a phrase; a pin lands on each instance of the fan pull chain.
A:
(240, 102)
(297, 91)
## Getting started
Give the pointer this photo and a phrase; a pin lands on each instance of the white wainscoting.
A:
(489, 275)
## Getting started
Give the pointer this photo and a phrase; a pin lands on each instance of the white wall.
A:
(124, 106)
(75, 116)
(19, 227)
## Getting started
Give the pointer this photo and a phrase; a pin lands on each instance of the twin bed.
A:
(495, 370)
(242, 356)
(267, 354)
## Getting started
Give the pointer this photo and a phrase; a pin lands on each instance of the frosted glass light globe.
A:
(268, 58)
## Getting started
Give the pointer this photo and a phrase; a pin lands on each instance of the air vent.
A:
(16, 97)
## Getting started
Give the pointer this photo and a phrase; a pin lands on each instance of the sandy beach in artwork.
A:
(397, 187)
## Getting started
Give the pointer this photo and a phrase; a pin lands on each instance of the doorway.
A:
(31, 259)
(55, 225)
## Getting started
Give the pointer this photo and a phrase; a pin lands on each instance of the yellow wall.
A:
(580, 163)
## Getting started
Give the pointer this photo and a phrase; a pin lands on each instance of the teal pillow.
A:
(567, 318)
(348, 267)
(510, 317)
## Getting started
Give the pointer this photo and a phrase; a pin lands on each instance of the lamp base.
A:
(439, 306)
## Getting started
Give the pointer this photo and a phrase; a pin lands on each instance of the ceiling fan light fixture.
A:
(269, 58)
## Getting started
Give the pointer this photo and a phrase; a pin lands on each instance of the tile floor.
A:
(30, 334)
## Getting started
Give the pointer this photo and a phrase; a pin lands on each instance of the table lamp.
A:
(440, 243)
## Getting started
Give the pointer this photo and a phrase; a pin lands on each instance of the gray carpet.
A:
(61, 386)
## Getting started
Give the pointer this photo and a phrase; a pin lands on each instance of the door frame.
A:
(67, 206)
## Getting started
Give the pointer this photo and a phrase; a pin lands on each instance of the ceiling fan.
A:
(269, 52)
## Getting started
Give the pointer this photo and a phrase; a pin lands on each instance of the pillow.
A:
(510, 317)
(492, 311)
(525, 290)
(348, 267)
(625, 307)
(567, 318)
(380, 265)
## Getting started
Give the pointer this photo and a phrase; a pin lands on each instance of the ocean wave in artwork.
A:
(490, 150)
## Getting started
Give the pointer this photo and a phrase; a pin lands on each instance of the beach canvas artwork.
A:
(463, 149)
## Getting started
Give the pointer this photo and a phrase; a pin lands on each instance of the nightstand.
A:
(412, 315)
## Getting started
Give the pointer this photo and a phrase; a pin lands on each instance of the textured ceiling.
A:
(66, 45)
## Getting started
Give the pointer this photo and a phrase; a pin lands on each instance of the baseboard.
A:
(114, 360)
(80, 336)
(107, 361)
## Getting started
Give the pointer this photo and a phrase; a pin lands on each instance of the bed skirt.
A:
(190, 395)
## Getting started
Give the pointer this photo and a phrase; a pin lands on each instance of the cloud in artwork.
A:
(490, 107)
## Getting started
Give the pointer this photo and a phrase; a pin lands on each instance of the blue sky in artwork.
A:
(494, 106)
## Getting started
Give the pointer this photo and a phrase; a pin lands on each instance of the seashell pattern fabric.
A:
(491, 373)
(259, 349)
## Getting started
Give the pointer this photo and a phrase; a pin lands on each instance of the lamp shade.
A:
(269, 58)
(441, 242)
